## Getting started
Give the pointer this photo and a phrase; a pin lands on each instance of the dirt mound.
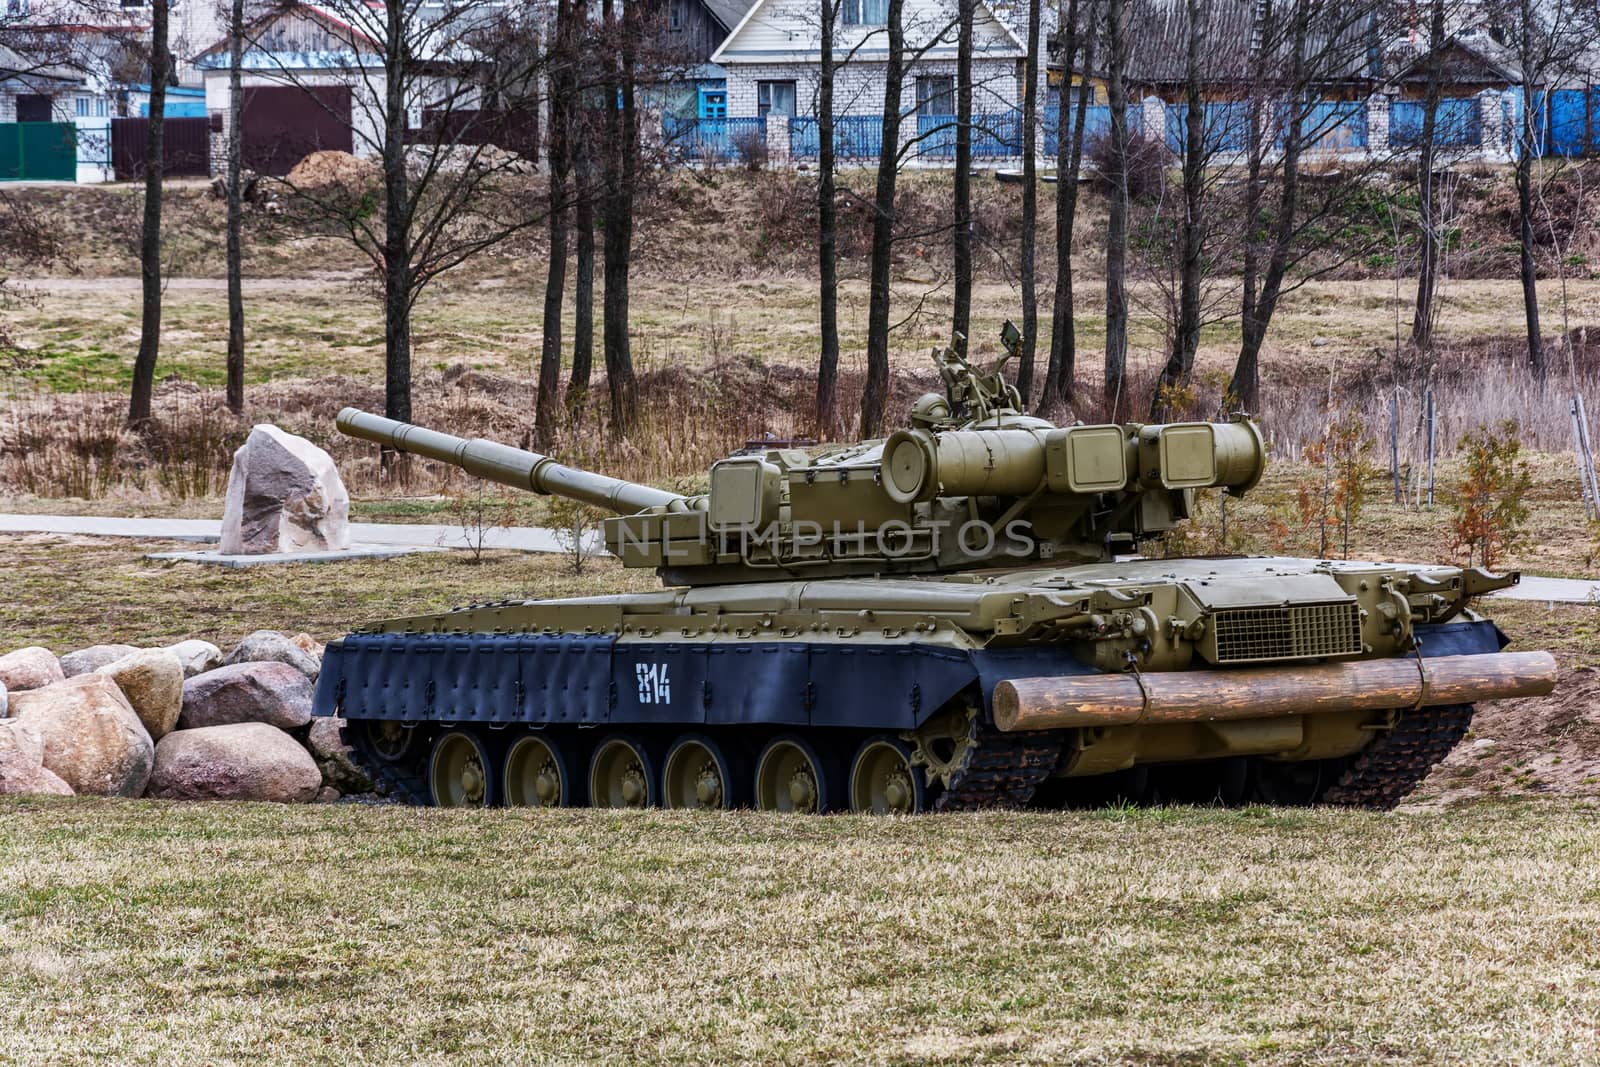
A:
(320, 170)
(1542, 746)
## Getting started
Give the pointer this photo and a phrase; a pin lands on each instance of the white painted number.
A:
(654, 685)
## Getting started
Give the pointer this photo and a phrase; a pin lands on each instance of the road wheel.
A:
(621, 776)
(883, 780)
(791, 775)
(461, 772)
(388, 740)
(539, 774)
(698, 775)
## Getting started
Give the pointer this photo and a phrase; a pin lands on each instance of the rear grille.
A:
(1303, 631)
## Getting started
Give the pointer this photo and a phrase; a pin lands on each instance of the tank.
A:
(970, 613)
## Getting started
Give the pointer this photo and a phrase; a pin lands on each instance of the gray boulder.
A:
(269, 646)
(334, 757)
(196, 656)
(237, 761)
(91, 659)
(267, 692)
(5, 700)
(29, 668)
(92, 736)
(284, 495)
(152, 680)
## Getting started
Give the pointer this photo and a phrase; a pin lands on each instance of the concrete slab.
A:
(1553, 590)
(277, 558)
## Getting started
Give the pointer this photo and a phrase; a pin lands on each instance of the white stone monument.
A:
(284, 495)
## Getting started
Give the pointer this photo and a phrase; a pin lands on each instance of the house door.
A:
(33, 108)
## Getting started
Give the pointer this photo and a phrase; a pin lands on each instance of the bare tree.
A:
(1116, 356)
(562, 81)
(1030, 204)
(827, 229)
(961, 238)
(1070, 120)
(235, 392)
(144, 364)
(1548, 40)
(621, 174)
(875, 392)
(1427, 205)
(1192, 230)
(445, 192)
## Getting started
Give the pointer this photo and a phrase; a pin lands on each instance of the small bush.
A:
(750, 149)
(1489, 511)
(1147, 163)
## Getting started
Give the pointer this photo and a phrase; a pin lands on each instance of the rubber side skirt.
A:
(1053, 703)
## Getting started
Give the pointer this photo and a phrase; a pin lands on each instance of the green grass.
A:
(145, 932)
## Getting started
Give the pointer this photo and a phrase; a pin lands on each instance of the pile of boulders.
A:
(182, 722)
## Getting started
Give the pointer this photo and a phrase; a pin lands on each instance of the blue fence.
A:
(1336, 126)
(1096, 124)
(1457, 123)
(692, 139)
(854, 136)
(994, 136)
(1572, 126)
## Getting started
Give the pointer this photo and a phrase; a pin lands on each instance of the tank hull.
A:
(970, 690)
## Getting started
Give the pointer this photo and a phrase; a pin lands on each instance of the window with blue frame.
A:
(82, 107)
(866, 12)
(713, 104)
(775, 98)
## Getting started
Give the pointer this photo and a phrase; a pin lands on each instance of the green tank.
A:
(966, 614)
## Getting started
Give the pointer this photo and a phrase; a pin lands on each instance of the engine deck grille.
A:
(1300, 631)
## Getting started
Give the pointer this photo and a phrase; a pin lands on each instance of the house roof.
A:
(1158, 43)
(14, 64)
(729, 12)
(254, 27)
(786, 31)
(1467, 57)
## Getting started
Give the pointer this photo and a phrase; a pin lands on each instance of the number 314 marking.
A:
(654, 685)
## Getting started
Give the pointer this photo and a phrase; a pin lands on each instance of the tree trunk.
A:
(1528, 268)
(1060, 374)
(622, 160)
(555, 283)
(1191, 239)
(1427, 207)
(1245, 385)
(144, 365)
(583, 287)
(1030, 205)
(961, 238)
(874, 396)
(827, 236)
(396, 227)
(235, 210)
(1116, 399)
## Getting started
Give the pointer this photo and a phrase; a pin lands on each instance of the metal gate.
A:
(38, 151)
(185, 147)
(284, 124)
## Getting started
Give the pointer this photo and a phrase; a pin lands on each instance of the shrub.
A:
(750, 149)
(1489, 511)
(1146, 164)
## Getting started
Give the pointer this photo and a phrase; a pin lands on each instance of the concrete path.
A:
(539, 539)
(521, 538)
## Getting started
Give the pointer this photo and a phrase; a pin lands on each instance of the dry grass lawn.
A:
(148, 932)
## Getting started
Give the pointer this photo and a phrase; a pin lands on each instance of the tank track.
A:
(1387, 770)
(404, 783)
(1001, 770)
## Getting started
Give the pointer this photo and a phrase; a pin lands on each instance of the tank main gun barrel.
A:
(506, 465)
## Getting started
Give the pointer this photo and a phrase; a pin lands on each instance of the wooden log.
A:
(1056, 703)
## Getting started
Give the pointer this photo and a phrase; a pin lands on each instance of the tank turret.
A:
(972, 482)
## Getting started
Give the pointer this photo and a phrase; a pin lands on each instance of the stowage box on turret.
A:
(958, 616)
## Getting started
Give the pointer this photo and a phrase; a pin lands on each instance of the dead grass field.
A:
(84, 332)
(147, 932)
